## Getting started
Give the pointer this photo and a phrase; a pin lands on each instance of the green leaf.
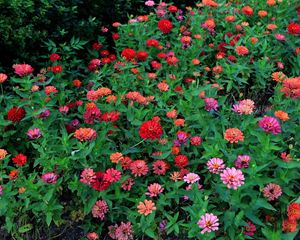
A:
(48, 218)
(25, 228)
(238, 218)
(262, 203)
(149, 232)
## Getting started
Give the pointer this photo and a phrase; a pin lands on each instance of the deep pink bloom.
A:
(63, 109)
(127, 184)
(34, 133)
(124, 231)
(250, 229)
(196, 141)
(112, 175)
(160, 167)
(232, 177)
(49, 178)
(272, 191)
(139, 168)
(99, 209)
(88, 176)
(242, 161)
(154, 190)
(23, 69)
(3, 77)
(91, 115)
(215, 165)
(270, 125)
(211, 104)
(208, 223)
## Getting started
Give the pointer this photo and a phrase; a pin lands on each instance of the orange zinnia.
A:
(146, 207)
(85, 134)
(116, 157)
(233, 135)
(278, 76)
(282, 115)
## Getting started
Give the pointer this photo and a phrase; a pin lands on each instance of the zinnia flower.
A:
(128, 54)
(160, 167)
(150, 130)
(34, 133)
(241, 50)
(139, 168)
(91, 115)
(242, 161)
(211, 104)
(87, 176)
(3, 77)
(272, 191)
(215, 165)
(293, 28)
(208, 222)
(154, 190)
(165, 26)
(191, 178)
(20, 159)
(16, 114)
(233, 135)
(282, 115)
(250, 229)
(92, 236)
(270, 125)
(112, 175)
(293, 211)
(22, 69)
(146, 207)
(100, 209)
(99, 184)
(181, 161)
(244, 107)
(124, 231)
(85, 134)
(232, 177)
(289, 225)
(49, 178)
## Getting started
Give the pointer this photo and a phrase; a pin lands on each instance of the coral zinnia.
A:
(139, 168)
(146, 207)
(233, 135)
(150, 130)
(99, 209)
(165, 26)
(16, 114)
(85, 134)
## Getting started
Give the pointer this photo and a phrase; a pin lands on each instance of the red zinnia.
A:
(54, 57)
(99, 184)
(142, 55)
(20, 159)
(16, 114)
(247, 10)
(128, 54)
(150, 130)
(181, 161)
(293, 28)
(56, 69)
(293, 211)
(165, 26)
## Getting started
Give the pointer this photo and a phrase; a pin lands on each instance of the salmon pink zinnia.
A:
(146, 207)
(233, 135)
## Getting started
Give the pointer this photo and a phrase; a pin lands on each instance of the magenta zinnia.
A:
(208, 223)
(270, 125)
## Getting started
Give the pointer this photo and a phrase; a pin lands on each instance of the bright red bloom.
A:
(247, 10)
(110, 116)
(128, 54)
(293, 28)
(16, 114)
(181, 161)
(152, 43)
(293, 211)
(150, 130)
(57, 69)
(165, 26)
(54, 57)
(20, 159)
(289, 225)
(99, 183)
(142, 55)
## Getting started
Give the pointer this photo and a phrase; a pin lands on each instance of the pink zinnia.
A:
(232, 177)
(3, 77)
(272, 191)
(139, 168)
(215, 165)
(154, 190)
(160, 167)
(244, 107)
(22, 69)
(150, 3)
(49, 178)
(250, 229)
(99, 209)
(112, 175)
(124, 231)
(208, 223)
(88, 176)
(270, 125)
(196, 141)
(211, 104)
(242, 161)
(191, 178)
(34, 133)
(127, 184)
(91, 115)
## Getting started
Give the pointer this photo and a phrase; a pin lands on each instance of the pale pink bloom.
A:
(215, 165)
(99, 209)
(154, 190)
(191, 178)
(232, 177)
(270, 125)
(22, 69)
(150, 3)
(88, 176)
(208, 223)
(272, 191)
(49, 178)
(280, 37)
(244, 107)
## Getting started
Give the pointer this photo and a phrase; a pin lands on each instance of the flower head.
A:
(165, 26)
(20, 159)
(272, 191)
(154, 190)
(22, 69)
(3, 153)
(242, 161)
(139, 168)
(150, 130)
(3, 77)
(244, 107)
(232, 177)
(208, 222)
(16, 114)
(215, 165)
(160, 167)
(191, 178)
(49, 178)
(233, 135)
(293, 211)
(211, 104)
(100, 209)
(88, 176)
(85, 134)
(112, 175)
(146, 207)
(34, 133)
(250, 229)
(270, 125)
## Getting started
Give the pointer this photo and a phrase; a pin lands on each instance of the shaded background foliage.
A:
(26, 24)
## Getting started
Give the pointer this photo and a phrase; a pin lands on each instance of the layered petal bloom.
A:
(146, 207)
(272, 191)
(232, 177)
(208, 222)
(100, 209)
(270, 125)
(191, 178)
(234, 135)
(150, 130)
(154, 190)
(215, 165)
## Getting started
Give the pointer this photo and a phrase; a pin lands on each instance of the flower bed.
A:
(191, 130)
